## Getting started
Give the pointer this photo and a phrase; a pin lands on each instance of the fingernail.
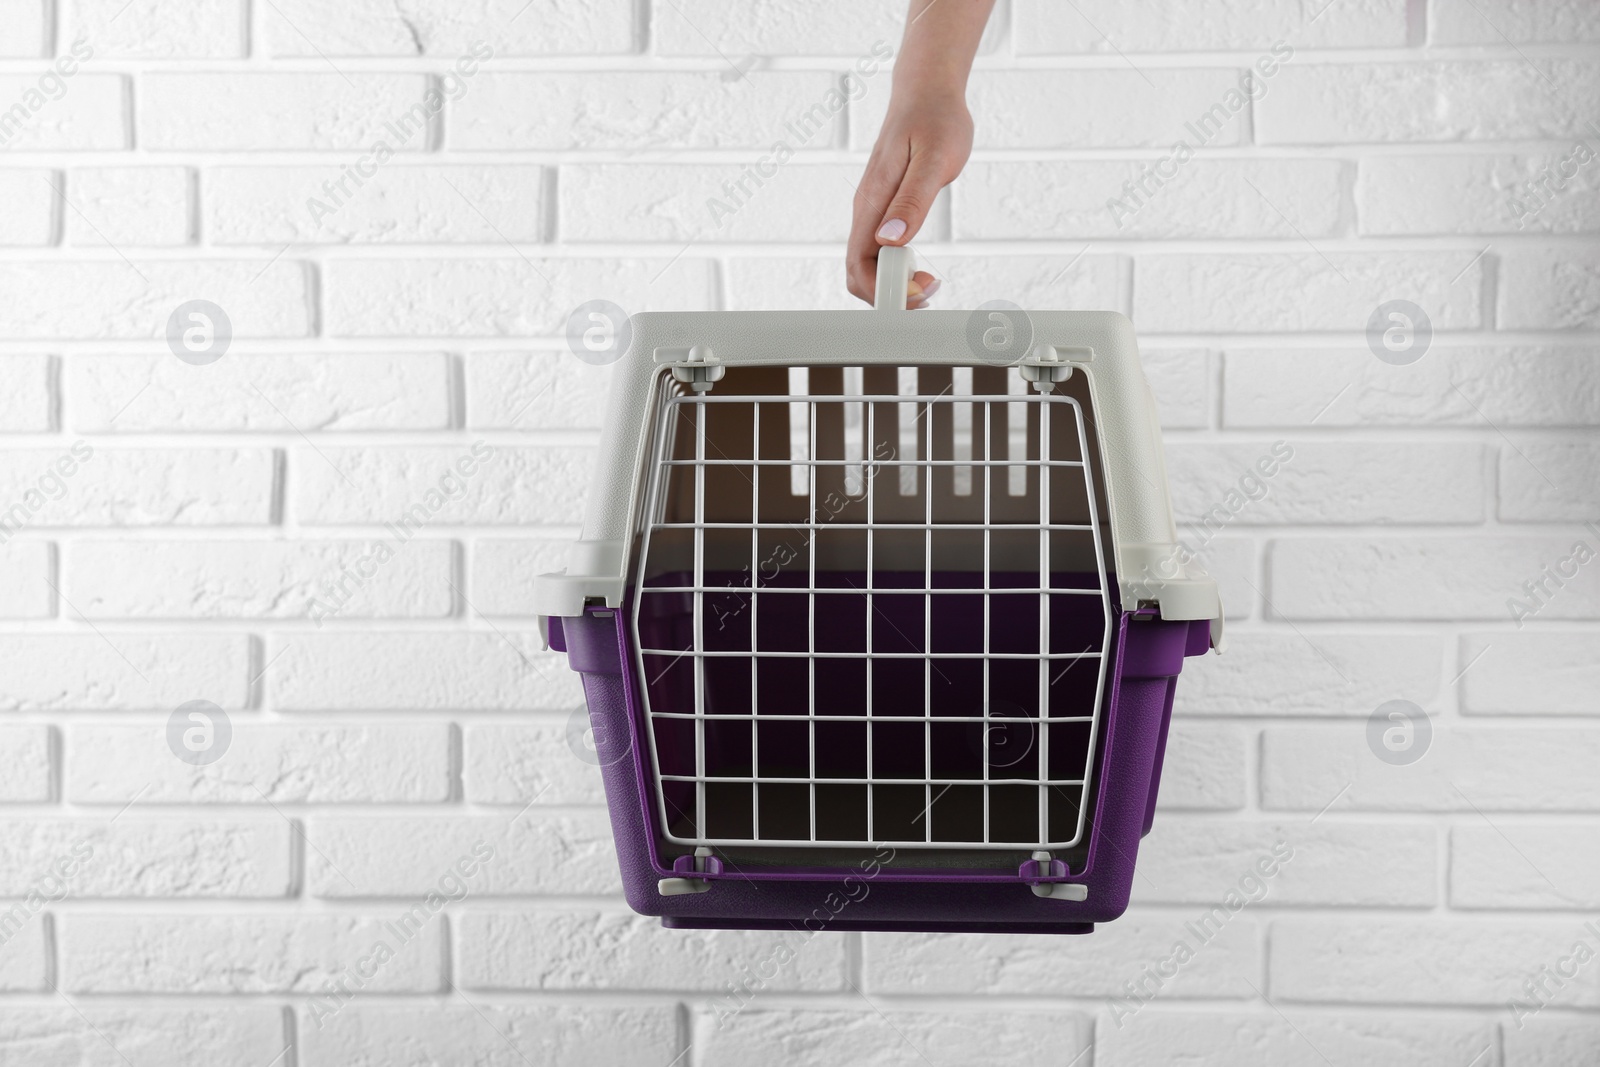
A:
(892, 230)
(932, 287)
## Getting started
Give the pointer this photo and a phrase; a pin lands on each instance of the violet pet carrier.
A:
(879, 616)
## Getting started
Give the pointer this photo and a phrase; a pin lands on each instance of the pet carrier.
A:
(879, 616)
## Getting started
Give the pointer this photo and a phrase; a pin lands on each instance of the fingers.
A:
(920, 290)
(908, 209)
(878, 185)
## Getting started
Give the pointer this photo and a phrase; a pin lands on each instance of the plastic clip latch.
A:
(1045, 367)
(1042, 866)
(698, 368)
(702, 861)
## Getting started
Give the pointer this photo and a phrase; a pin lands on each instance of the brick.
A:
(1201, 198)
(488, 671)
(149, 29)
(1547, 193)
(260, 579)
(574, 948)
(1232, 562)
(30, 216)
(1197, 860)
(535, 390)
(87, 1035)
(24, 948)
(1525, 866)
(380, 764)
(1325, 482)
(1224, 962)
(1273, 672)
(245, 953)
(138, 857)
(488, 1035)
(111, 299)
(253, 393)
(1558, 22)
(526, 854)
(1468, 100)
(1205, 25)
(504, 572)
(1395, 578)
(397, 204)
(49, 113)
(653, 110)
(873, 1037)
(27, 404)
(676, 203)
(529, 764)
(128, 207)
(1564, 669)
(1180, 378)
(28, 28)
(1553, 1042)
(136, 487)
(26, 570)
(448, 29)
(505, 297)
(120, 671)
(1109, 109)
(833, 27)
(1276, 292)
(1267, 1039)
(1466, 768)
(382, 485)
(1550, 481)
(1204, 769)
(25, 751)
(1536, 385)
(1421, 960)
(1064, 282)
(1549, 289)
(255, 112)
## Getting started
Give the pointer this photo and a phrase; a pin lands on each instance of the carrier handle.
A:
(895, 266)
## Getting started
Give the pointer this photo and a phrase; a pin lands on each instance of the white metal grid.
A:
(833, 437)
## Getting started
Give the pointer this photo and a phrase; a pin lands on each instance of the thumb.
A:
(911, 202)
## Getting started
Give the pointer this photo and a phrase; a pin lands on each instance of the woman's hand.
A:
(922, 147)
(925, 140)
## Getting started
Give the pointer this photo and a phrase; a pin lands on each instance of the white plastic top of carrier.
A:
(1152, 568)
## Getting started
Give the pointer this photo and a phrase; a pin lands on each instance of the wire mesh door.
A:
(872, 607)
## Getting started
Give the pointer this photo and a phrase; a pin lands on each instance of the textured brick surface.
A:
(262, 765)
(335, 531)
(1465, 768)
(1107, 26)
(246, 953)
(490, 1035)
(263, 393)
(129, 207)
(447, 28)
(1507, 386)
(589, 949)
(1446, 101)
(1302, 291)
(1295, 1036)
(1531, 673)
(95, 1036)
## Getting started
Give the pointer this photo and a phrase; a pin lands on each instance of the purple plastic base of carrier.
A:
(1147, 656)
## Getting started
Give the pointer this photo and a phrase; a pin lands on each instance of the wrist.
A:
(921, 92)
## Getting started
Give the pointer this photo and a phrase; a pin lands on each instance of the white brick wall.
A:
(217, 536)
